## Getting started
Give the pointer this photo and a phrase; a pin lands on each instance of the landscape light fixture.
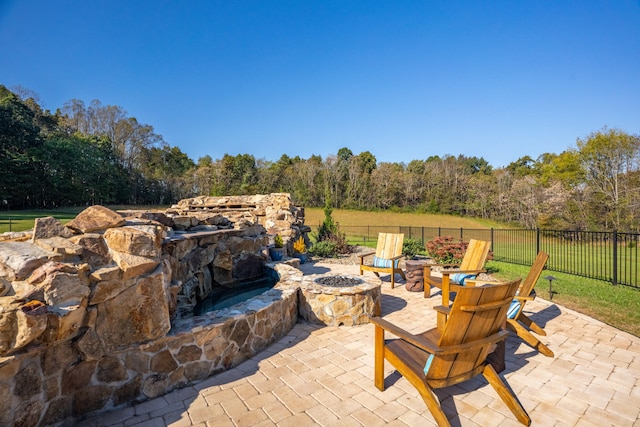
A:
(551, 291)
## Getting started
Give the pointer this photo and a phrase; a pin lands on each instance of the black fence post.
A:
(537, 240)
(491, 234)
(614, 280)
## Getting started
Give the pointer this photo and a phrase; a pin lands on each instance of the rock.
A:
(140, 240)
(95, 218)
(183, 222)
(5, 286)
(163, 362)
(47, 227)
(28, 381)
(19, 259)
(64, 322)
(106, 273)
(159, 217)
(91, 398)
(134, 265)
(77, 376)
(95, 249)
(64, 289)
(108, 289)
(90, 346)
(110, 370)
(139, 313)
(28, 414)
(20, 324)
(155, 385)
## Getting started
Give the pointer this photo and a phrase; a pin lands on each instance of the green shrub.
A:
(324, 249)
(329, 232)
(412, 247)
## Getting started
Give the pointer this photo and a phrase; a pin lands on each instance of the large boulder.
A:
(19, 259)
(47, 227)
(138, 313)
(95, 218)
(142, 240)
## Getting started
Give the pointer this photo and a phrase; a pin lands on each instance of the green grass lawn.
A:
(23, 220)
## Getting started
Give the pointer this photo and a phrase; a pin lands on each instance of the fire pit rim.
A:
(309, 284)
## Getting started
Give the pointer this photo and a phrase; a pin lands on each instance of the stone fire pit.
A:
(339, 300)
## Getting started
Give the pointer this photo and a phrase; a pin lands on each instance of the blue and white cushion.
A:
(459, 278)
(513, 309)
(385, 263)
(427, 366)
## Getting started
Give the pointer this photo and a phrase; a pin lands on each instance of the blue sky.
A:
(402, 79)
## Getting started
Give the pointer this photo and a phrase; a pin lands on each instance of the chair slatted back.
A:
(477, 313)
(534, 274)
(389, 245)
(476, 255)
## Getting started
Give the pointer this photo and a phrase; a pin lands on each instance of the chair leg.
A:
(506, 395)
(530, 324)
(378, 361)
(527, 337)
(431, 400)
(393, 278)
(419, 382)
(426, 290)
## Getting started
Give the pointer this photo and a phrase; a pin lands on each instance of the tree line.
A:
(97, 154)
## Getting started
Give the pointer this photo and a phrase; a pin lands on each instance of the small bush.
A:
(412, 247)
(299, 246)
(444, 250)
(324, 249)
(329, 232)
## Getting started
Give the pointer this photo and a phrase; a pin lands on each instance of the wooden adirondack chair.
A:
(472, 263)
(517, 321)
(386, 257)
(436, 359)
(452, 279)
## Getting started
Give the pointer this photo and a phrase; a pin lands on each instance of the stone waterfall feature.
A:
(94, 314)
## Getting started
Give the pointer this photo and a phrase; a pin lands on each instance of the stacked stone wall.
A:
(90, 311)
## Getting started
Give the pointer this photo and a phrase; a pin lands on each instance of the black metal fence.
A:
(6, 225)
(609, 256)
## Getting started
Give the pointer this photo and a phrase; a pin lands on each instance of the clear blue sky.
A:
(402, 79)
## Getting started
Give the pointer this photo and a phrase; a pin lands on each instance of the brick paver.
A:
(324, 376)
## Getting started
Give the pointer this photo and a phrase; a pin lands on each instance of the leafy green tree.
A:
(234, 175)
(19, 142)
(611, 159)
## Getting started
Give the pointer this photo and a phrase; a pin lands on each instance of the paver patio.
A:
(324, 376)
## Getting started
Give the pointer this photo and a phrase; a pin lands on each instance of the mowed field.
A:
(347, 218)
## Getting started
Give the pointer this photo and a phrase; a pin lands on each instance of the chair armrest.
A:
(416, 340)
(396, 257)
(521, 298)
(367, 254)
(442, 265)
(442, 309)
(426, 345)
(450, 272)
